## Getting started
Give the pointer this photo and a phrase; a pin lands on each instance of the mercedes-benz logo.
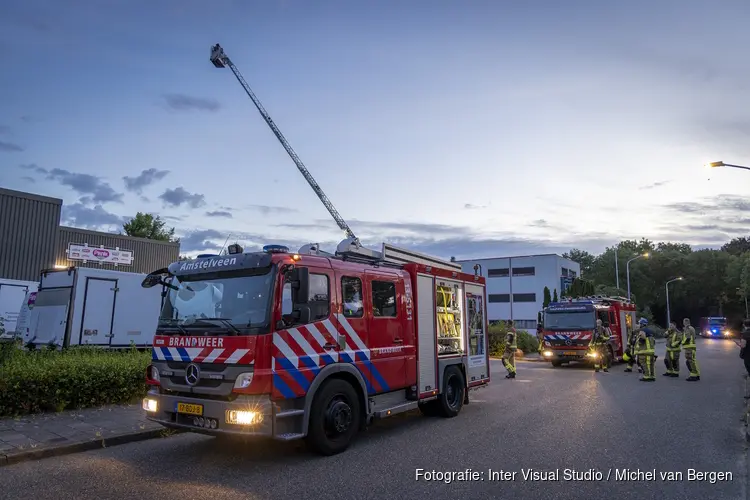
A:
(567, 342)
(192, 374)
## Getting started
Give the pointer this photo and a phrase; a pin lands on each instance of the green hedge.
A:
(79, 377)
(526, 342)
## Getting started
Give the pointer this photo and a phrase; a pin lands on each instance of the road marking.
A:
(518, 380)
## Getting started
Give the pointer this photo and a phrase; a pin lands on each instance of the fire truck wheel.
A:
(451, 400)
(334, 418)
(556, 364)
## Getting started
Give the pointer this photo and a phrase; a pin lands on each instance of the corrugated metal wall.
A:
(148, 255)
(28, 233)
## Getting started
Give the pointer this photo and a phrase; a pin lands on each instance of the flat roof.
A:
(518, 257)
(30, 196)
(114, 235)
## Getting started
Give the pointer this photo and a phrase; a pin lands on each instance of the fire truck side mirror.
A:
(300, 279)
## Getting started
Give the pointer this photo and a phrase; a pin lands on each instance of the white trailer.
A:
(80, 305)
(12, 296)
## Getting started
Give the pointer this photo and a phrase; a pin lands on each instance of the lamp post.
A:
(744, 294)
(715, 164)
(627, 269)
(666, 287)
(617, 270)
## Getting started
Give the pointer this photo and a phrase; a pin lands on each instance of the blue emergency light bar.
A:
(276, 249)
(204, 255)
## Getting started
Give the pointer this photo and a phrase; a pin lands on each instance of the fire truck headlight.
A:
(243, 380)
(150, 405)
(242, 417)
(547, 354)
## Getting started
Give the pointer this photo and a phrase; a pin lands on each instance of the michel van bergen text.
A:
(613, 474)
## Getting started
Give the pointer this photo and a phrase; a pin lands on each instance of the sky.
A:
(467, 129)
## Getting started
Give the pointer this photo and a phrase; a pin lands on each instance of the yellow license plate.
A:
(190, 409)
(570, 353)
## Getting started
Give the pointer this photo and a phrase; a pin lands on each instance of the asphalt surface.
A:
(547, 419)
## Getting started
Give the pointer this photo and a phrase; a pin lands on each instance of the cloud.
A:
(720, 203)
(28, 179)
(655, 185)
(470, 206)
(181, 102)
(10, 147)
(92, 189)
(144, 179)
(539, 223)
(178, 197)
(4, 129)
(82, 216)
(219, 213)
(267, 209)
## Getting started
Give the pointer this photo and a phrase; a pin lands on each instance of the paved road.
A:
(546, 419)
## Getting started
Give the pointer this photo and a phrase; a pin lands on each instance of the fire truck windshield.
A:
(236, 304)
(569, 320)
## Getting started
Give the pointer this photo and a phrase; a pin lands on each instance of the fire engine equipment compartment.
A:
(81, 305)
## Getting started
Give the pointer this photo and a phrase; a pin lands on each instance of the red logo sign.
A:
(101, 254)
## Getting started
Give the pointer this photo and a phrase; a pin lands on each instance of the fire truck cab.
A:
(569, 325)
(314, 345)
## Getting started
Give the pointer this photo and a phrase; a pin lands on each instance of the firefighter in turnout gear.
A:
(540, 337)
(674, 344)
(630, 355)
(599, 347)
(644, 350)
(509, 356)
(688, 345)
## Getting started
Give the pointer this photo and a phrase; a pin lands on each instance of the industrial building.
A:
(31, 239)
(515, 285)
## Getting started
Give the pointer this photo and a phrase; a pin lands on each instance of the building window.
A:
(524, 297)
(351, 291)
(572, 274)
(523, 271)
(383, 299)
(525, 324)
(498, 297)
(319, 297)
(497, 273)
(565, 271)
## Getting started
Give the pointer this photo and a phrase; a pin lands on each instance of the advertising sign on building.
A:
(99, 254)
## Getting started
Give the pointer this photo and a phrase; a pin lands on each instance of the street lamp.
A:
(627, 269)
(666, 287)
(715, 164)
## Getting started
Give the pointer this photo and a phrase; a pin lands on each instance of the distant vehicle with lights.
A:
(568, 328)
(714, 327)
(314, 345)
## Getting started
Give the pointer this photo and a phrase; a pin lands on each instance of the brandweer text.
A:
(196, 342)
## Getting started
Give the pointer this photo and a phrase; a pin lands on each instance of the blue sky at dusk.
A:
(471, 129)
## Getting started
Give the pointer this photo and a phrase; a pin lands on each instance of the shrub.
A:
(526, 342)
(79, 377)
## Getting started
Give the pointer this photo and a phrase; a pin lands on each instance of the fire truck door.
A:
(386, 332)
(476, 321)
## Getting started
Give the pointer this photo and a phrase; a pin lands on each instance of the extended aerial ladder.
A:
(221, 60)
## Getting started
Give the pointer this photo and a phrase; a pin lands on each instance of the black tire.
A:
(451, 400)
(556, 364)
(334, 418)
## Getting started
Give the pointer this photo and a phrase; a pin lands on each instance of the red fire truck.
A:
(568, 327)
(314, 345)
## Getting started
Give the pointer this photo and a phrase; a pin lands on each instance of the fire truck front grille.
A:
(207, 367)
(203, 382)
(213, 379)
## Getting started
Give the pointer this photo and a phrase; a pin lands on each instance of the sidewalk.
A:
(32, 437)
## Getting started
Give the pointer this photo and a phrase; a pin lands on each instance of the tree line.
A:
(714, 282)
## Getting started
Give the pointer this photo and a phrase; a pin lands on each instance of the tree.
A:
(547, 297)
(184, 257)
(147, 226)
(583, 258)
(554, 296)
(737, 246)
(580, 288)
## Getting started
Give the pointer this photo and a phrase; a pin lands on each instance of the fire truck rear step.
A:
(290, 413)
(393, 410)
(289, 436)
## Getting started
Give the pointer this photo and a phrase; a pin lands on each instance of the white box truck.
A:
(12, 296)
(81, 305)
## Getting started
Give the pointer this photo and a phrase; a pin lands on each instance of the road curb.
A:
(57, 451)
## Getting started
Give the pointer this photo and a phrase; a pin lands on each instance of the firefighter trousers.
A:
(672, 362)
(601, 362)
(647, 361)
(632, 361)
(692, 362)
(509, 361)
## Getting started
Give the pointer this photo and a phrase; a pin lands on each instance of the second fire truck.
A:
(568, 327)
(314, 345)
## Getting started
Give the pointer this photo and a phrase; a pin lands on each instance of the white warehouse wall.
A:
(530, 275)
